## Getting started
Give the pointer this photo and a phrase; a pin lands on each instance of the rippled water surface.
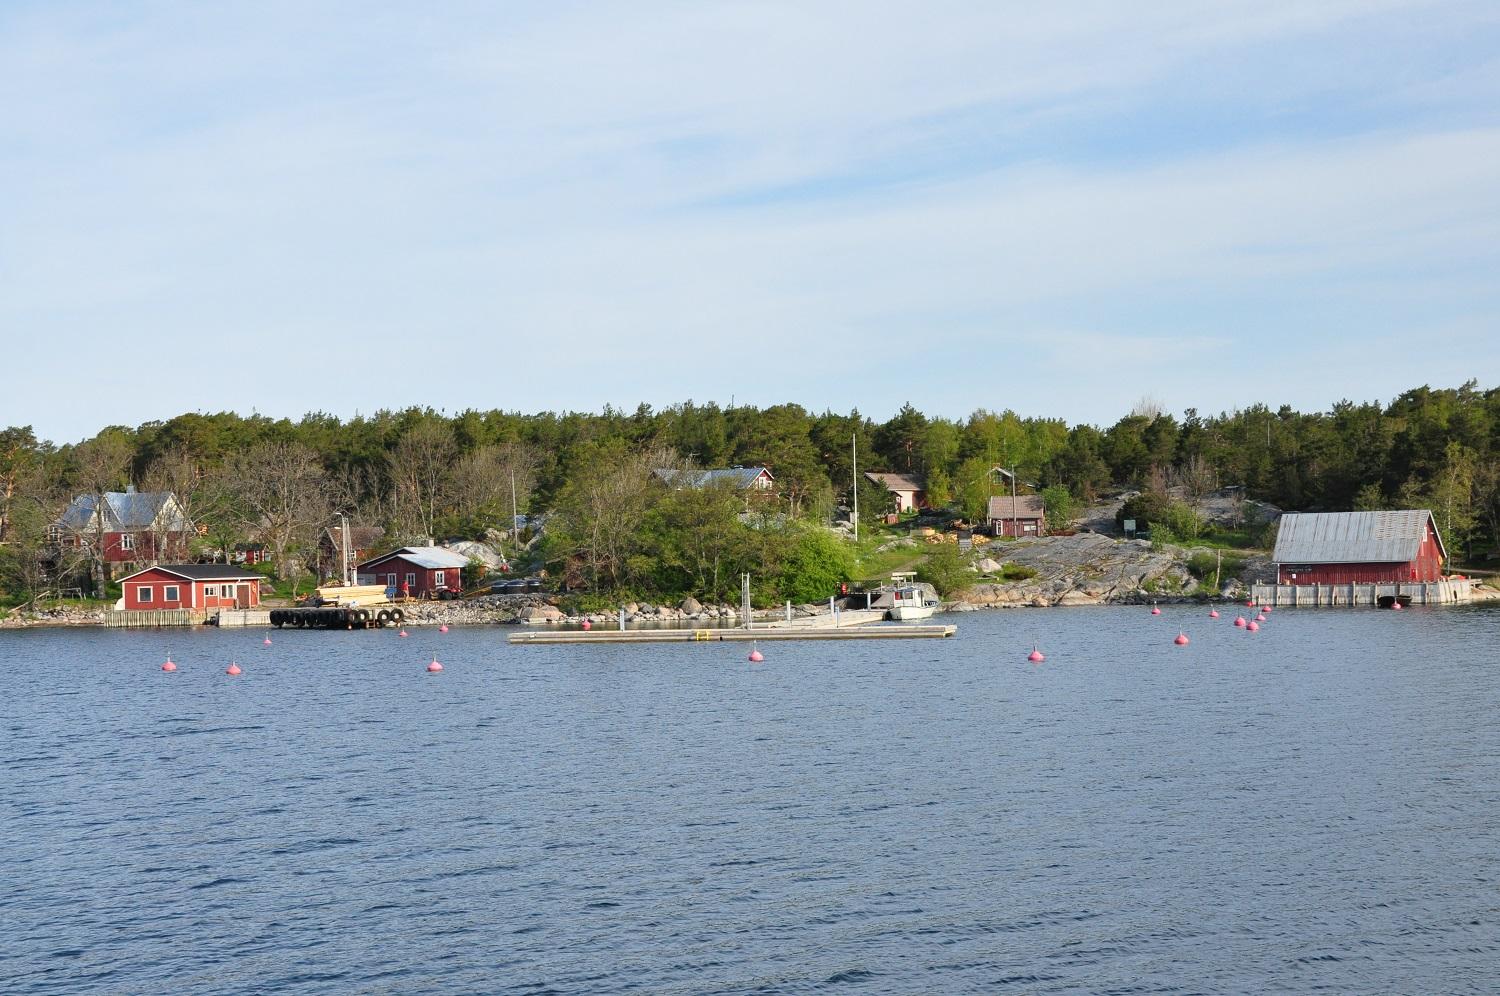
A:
(1314, 806)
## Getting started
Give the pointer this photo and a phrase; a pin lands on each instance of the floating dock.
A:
(726, 635)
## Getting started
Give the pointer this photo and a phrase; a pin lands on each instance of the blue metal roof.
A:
(124, 510)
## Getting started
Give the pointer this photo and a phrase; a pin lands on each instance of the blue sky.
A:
(1056, 208)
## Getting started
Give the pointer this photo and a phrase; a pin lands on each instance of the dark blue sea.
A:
(1314, 807)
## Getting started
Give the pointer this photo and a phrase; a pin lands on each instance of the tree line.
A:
(420, 473)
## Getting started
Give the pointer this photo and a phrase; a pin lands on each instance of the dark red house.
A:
(1358, 548)
(417, 571)
(1016, 515)
(191, 586)
(127, 527)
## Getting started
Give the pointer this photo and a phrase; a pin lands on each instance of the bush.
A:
(815, 563)
(1202, 565)
(1017, 572)
(946, 570)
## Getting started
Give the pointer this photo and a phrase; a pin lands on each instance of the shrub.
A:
(1017, 572)
(946, 570)
(816, 561)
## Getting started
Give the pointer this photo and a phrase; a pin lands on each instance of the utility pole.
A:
(854, 462)
(1015, 528)
(344, 546)
(515, 519)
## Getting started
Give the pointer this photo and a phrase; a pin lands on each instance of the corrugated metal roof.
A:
(428, 557)
(124, 510)
(1351, 537)
(740, 477)
(1025, 507)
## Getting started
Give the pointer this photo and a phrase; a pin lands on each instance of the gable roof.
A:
(125, 510)
(896, 482)
(1019, 507)
(1353, 537)
(201, 572)
(739, 477)
(427, 557)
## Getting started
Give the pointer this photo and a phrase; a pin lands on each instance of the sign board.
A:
(1130, 527)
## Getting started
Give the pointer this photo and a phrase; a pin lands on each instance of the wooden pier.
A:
(727, 635)
(1451, 592)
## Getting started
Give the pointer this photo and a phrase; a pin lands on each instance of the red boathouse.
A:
(417, 571)
(191, 586)
(1358, 548)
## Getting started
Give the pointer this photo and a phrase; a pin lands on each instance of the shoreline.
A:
(545, 616)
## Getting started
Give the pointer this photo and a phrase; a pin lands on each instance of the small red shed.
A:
(1016, 515)
(191, 586)
(418, 571)
(1385, 547)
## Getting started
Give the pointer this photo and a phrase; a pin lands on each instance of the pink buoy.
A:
(1181, 639)
(434, 667)
(1249, 603)
(587, 624)
(756, 656)
(1036, 656)
(232, 669)
(402, 633)
(443, 628)
(1239, 621)
(1213, 613)
(1155, 611)
(266, 642)
(169, 666)
(1252, 625)
(1261, 617)
(1395, 605)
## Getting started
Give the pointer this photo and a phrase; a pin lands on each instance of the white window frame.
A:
(437, 578)
(143, 593)
(171, 593)
(127, 542)
(411, 580)
(391, 579)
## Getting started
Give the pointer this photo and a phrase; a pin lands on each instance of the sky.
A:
(1059, 209)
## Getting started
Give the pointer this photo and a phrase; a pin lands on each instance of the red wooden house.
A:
(129, 527)
(1358, 548)
(1016, 515)
(191, 586)
(417, 571)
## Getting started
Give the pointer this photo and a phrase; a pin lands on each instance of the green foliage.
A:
(1017, 572)
(1147, 509)
(813, 562)
(417, 470)
(1183, 521)
(1203, 565)
(946, 569)
(1059, 505)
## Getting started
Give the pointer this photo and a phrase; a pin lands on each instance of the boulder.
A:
(541, 614)
(691, 606)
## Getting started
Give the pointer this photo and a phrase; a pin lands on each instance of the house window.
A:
(411, 580)
(55, 534)
(143, 593)
(169, 593)
(390, 580)
(127, 541)
(437, 578)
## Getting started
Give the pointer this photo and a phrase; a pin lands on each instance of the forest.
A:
(611, 526)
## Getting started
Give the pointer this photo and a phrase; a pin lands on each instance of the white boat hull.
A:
(912, 611)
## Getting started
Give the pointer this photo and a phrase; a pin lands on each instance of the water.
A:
(1314, 806)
